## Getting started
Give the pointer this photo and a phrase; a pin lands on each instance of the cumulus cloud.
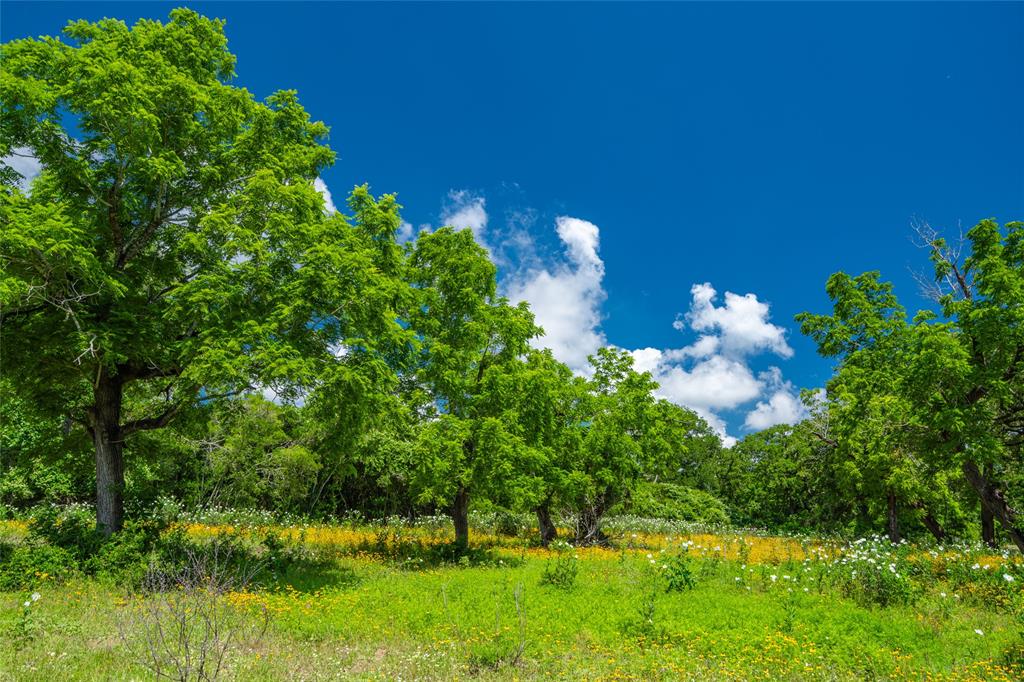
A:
(713, 374)
(465, 209)
(404, 232)
(783, 405)
(712, 384)
(321, 187)
(741, 324)
(24, 162)
(566, 298)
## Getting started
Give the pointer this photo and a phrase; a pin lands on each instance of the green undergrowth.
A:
(618, 618)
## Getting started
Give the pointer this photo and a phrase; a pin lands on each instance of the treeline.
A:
(172, 267)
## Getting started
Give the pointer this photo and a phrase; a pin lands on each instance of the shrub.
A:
(677, 503)
(678, 572)
(26, 566)
(71, 528)
(561, 572)
(123, 557)
(181, 624)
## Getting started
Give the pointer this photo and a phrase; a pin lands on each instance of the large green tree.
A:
(471, 340)
(954, 378)
(547, 400)
(174, 249)
(622, 440)
(873, 433)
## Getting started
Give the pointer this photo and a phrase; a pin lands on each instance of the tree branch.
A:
(149, 424)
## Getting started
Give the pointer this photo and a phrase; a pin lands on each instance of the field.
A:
(355, 601)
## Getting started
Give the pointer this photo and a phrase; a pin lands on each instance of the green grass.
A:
(363, 618)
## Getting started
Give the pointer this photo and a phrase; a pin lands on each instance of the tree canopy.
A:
(174, 249)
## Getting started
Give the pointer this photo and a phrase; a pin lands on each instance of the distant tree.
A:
(954, 379)
(173, 250)
(682, 448)
(40, 461)
(547, 401)
(869, 416)
(619, 444)
(255, 455)
(471, 340)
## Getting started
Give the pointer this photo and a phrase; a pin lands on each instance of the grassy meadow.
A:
(394, 601)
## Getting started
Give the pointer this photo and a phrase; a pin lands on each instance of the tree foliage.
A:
(174, 249)
(917, 402)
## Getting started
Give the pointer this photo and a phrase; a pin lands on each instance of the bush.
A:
(181, 624)
(27, 566)
(70, 528)
(678, 572)
(66, 537)
(124, 556)
(561, 572)
(676, 502)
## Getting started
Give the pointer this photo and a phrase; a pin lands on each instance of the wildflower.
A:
(36, 595)
(1007, 577)
(774, 577)
(979, 632)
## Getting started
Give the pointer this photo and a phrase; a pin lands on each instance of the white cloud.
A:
(713, 374)
(24, 162)
(782, 407)
(465, 209)
(712, 384)
(321, 187)
(646, 359)
(742, 323)
(404, 232)
(566, 298)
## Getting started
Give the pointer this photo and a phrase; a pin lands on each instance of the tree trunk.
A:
(460, 517)
(548, 531)
(988, 527)
(588, 525)
(993, 500)
(934, 527)
(894, 519)
(930, 522)
(105, 428)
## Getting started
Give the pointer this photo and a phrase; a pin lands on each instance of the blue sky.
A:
(618, 157)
